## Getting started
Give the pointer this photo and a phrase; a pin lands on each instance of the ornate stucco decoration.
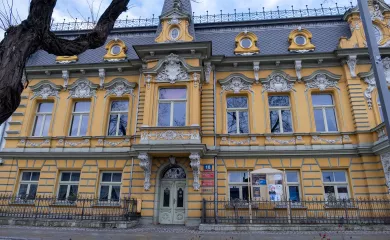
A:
(119, 87)
(76, 144)
(170, 135)
(328, 141)
(284, 142)
(376, 12)
(24, 78)
(65, 76)
(116, 51)
(385, 158)
(246, 44)
(172, 160)
(196, 78)
(256, 69)
(172, 69)
(82, 88)
(230, 141)
(146, 164)
(298, 68)
(102, 76)
(322, 80)
(351, 62)
(237, 83)
(45, 89)
(195, 165)
(66, 59)
(369, 79)
(207, 71)
(300, 47)
(113, 144)
(278, 81)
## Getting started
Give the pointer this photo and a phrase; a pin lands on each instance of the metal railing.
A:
(352, 211)
(80, 208)
(209, 18)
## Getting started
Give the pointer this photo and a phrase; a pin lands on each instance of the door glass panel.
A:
(167, 194)
(180, 198)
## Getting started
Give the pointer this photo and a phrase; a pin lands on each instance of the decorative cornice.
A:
(278, 81)
(45, 89)
(119, 87)
(322, 79)
(236, 82)
(82, 88)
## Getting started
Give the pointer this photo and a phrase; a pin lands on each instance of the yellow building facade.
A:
(180, 112)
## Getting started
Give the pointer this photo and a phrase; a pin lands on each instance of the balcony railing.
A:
(352, 211)
(210, 18)
(78, 208)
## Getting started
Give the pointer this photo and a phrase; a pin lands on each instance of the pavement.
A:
(162, 232)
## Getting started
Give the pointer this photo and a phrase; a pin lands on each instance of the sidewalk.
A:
(172, 232)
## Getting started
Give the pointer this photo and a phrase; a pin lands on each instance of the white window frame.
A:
(171, 31)
(293, 184)
(238, 184)
(323, 108)
(172, 102)
(118, 114)
(68, 183)
(29, 183)
(237, 111)
(81, 114)
(44, 114)
(110, 185)
(279, 110)
(336, 184)
(380, 109)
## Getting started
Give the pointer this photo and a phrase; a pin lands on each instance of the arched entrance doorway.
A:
(172, 204)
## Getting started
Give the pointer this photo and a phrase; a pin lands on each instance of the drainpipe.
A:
(215, 111)
(139, 93)
(131, 176)
(215, 148)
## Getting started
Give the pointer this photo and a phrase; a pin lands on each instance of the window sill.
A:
(339, 206)
(23, 203)
(168, 128)
(293, 206)
(62, 204)
(101, 204)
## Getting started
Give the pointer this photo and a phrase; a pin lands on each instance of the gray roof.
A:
(185, 6)
(272, 39)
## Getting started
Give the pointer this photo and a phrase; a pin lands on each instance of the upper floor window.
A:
(110, 186)
(237, 115)
(172, 107)
(28, 185)
(69, 186)
(335, 185)
(238, 185)
(293, 186)
(80, 118)
(380, 109)
(280, 114)
(324, 113)
(118, 118)
(43, 119)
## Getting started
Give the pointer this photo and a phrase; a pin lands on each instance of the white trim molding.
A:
(146, 164)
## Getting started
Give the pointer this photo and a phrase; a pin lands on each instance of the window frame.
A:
(239, 185)
(237, 111)
(336, 184)
(298, 184)
(81, 114)
(29, 183)
(172, 103)
(171, 31)
(68, 183)
(118, 114)
(279, 109)
(378, 102)
(44, 114)
(110, 185)
(323, 107)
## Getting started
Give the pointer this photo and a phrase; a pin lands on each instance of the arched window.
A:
(175, 173)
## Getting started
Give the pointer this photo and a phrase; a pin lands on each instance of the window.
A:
(237, 115)
(116, 49)
(80, 119)
(280, 114)
(378, 34)
(293, 187)
(172, 107)
(42, 119)
(380, 109)
(335, 185)
(110, 186)
(69, 186)
(174, 33)
(246, 43)
(300, 40)
(324, 113)
(238, 185)
(28, 185)
(118, 118)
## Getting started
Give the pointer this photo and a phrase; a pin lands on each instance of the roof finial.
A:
(177, 4)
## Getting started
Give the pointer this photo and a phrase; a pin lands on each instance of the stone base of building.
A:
(66, 223)
(287, 227)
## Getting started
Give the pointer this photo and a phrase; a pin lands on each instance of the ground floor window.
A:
(28, 185)
(293, 186)
(110, 186)
(335, 185)
(69, 186)
(238, 185)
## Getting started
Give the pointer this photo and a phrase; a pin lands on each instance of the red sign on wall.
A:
(208, 175)
(207, 183)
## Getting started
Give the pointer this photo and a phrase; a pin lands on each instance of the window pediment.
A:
(236, 82)
(119, 87)
(45, 89)
(82, 88)
(322, 79)
(278, 81)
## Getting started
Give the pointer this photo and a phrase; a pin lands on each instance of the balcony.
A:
(170, 135)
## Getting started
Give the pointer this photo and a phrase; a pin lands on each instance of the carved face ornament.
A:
(46, 92)
(237, 85)
(278, 83)
(322, 82)
(119, 89)
(83, 90)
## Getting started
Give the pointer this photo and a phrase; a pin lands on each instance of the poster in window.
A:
(275, 192)
(256, 192)
(259, 179)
